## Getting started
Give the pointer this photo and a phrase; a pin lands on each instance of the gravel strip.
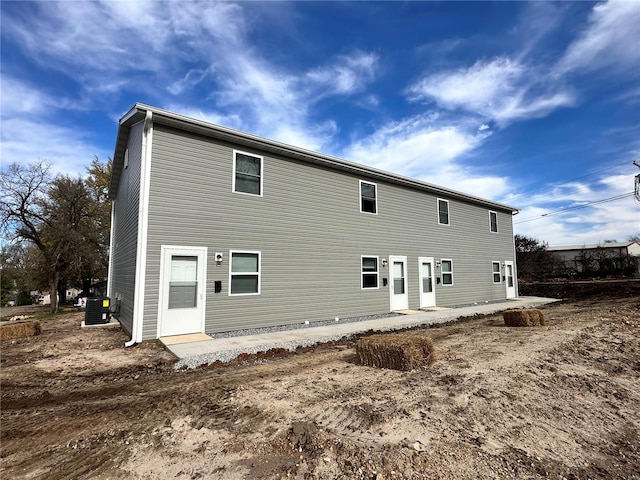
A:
(297, 326)
(230, 355)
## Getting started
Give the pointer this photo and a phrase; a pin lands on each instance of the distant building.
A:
(70, 295)
(604, 258)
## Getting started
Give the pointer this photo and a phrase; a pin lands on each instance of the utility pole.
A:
(636, 185)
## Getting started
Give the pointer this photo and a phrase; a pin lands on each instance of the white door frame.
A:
(166, 252)
(509, 273)
(401, 301)
(427, 299)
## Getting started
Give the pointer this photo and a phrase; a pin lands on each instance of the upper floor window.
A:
(493, 222)
(244, 274)
(369, 272)
(368, 197)
(247, 173)
(443, 212)
(496, 271)
(447, 272)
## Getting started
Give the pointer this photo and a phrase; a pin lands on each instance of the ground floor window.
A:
(244, 273)
(496, 272)
(447, 271)
(369, 272)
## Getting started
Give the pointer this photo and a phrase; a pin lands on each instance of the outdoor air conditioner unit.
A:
(97, 311)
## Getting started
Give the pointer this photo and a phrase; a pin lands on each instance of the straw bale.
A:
(19, 329)
(397, 351)
(523, 318)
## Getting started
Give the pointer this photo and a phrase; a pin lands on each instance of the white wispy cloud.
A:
(189, 80)
(610, 220)
(509, 89)
(181, 48)
(279, 102)
(348, 74)
(21, 98)
(429, 149)
(93, 39)
(69, 150)
(610, 40)
(536, 23)
(502, 89)
(31, 132)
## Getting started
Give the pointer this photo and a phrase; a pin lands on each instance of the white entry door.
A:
(182, 290)
(427, 287)
(398, 283)
(509, 279)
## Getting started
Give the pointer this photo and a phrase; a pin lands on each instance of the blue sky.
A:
(532, 104)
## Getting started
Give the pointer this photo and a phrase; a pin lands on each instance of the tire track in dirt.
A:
(498, 403)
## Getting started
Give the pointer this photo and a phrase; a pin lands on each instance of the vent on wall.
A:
(126, 158)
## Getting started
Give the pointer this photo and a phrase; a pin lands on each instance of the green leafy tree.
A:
(64, 218)
(22, 270)
(69, 229)
(97, 181)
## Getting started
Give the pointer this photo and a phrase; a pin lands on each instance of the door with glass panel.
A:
(182, 290)
(427, 287)
(398, 283)
(509, 278)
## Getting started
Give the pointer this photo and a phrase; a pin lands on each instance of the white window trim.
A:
(362, 272)
(497, 228)
(259, 272)
(233, 173)
(442, 272)
(448, 211)
(360, 197)
(493, 273)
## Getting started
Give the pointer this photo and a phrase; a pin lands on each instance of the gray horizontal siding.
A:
(125, 239)
(311, 234)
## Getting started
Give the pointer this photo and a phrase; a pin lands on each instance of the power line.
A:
(577, 207)
(554, 185)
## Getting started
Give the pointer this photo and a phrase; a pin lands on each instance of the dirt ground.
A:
(559, 401)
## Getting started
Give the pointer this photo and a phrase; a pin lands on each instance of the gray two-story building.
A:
(215, 230)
